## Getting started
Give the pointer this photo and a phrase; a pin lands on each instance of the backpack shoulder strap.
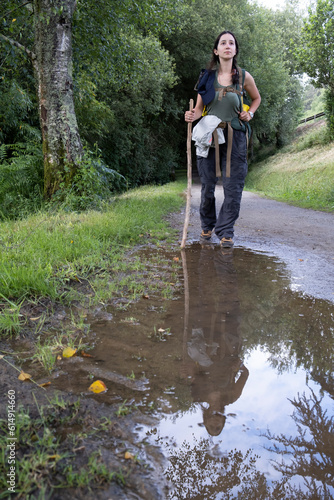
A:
(241, 86)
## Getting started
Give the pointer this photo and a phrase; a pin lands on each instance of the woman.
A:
(220, 91)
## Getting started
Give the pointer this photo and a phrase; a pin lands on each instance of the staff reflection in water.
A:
(217, 373)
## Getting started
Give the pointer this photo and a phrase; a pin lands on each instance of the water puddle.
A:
(237, 370)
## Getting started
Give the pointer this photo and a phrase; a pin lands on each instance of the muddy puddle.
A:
(236, 368)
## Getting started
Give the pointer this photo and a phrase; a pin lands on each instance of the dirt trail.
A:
(302, 238)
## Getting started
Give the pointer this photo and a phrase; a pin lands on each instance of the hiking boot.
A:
(226, 242)
(206, 234)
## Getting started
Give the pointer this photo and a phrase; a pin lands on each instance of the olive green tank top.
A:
(226, 104)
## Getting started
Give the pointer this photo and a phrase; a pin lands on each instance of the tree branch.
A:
(30, 54)
(16, 8)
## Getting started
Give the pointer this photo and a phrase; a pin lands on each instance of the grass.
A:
(301, 174)
(51, 255)
(11, 322)
(43, 463)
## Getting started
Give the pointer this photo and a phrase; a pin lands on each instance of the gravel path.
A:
(302, 238)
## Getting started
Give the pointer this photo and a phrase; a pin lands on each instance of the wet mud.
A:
(235, 373)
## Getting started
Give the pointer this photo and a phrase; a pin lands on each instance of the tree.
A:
(265, 51)
(62, 146)
(315, 53)
(118, 61)
(51, 57)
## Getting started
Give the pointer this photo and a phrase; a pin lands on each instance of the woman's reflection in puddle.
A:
(213, 365)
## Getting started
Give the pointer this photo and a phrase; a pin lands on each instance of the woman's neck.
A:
(225, 67)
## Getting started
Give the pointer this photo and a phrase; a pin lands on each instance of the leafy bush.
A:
(92, 185)
(21, 179)
(18, 114)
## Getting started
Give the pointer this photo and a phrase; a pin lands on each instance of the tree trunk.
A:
(329, 106)
(62, 146)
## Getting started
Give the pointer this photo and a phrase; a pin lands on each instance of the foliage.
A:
(134, 78)
(315, 52)
(196, 473)
(313, 100)
(17, 114)
(329, 110)
(93, 183)
(18, 105)
(264, 51)
(290, 113)
(125, 63)
(135, 144)
(21, 179)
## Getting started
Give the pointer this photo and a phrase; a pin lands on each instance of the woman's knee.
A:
(208, 190)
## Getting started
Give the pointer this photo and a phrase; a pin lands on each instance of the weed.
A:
(131, 320)
(36, 449)
(125, 409)
(45, 355)
(152, 406)
(78, 321)
(10, 318)
(160, 335)
(10, 322)
(95, 469)
(41, 463)
(167, 291)
(122, 409)
(58, 402)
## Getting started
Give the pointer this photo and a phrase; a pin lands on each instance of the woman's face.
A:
(226, 48)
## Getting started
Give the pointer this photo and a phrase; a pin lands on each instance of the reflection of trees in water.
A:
(197, 473)
(296, 330)
(311, 453)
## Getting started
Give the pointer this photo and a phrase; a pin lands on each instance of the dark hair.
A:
(215, 59)
(214, 422)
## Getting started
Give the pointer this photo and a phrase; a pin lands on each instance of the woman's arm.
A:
(196, 113)
(254, 94)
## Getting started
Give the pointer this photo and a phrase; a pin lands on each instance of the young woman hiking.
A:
(220, 90)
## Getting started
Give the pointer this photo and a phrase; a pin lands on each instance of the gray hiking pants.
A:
(233, 186)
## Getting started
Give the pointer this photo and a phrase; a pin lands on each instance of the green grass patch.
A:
(42, 253)
(301, 174)
(52, 255)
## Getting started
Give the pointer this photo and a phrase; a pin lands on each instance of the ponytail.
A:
(235, 71)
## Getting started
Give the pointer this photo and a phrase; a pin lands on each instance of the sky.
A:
(274, 4)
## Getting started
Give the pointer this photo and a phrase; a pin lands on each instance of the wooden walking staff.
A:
(189, 175)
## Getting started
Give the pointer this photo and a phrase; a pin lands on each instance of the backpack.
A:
(244, 100)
